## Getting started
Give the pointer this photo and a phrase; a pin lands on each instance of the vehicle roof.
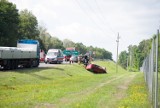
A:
(54, 50)
(25, 41)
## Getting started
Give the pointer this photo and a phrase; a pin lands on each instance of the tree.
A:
(123, 56)
(136, 54)
(107, 54)
(43, 35)
(56, 43)
(47, 41)
(8, 23)
(135, 59)
(68, 43)
(28, 27)
(101, 53)
(81, 48)
(143, 50)
(133, 56)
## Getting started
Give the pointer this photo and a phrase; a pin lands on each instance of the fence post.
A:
(156, 70)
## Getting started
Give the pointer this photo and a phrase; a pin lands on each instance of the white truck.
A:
(26, 54)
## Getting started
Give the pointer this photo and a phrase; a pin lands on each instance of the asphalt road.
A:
(43, 65)
(51, 65)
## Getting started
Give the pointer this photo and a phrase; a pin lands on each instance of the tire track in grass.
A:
(73, 97)
(121, 89)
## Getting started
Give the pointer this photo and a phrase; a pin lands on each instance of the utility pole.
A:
(130, 66)
(117, 52)
(127, 62)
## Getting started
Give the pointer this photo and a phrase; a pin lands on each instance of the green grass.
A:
(136, 95)
(66, 86)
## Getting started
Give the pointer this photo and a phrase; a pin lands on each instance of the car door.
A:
(60, 56)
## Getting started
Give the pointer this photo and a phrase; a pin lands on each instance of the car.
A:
(54, 56)
(96, 68)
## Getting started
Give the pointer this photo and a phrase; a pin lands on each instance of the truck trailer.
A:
(26, 54)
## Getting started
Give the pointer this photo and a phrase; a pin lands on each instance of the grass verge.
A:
(136, 95)
(64, 86)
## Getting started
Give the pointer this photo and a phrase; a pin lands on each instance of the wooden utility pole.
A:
(117, 52)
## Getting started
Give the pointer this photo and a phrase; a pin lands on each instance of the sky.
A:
(97, 22)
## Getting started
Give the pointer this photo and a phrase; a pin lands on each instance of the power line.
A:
(104, 18)
(99, 27)
(101, 19)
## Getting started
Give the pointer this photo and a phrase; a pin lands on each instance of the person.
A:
(80, 59)
(85, 60)
(70, 60)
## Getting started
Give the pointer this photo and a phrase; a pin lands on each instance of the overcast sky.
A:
(97, 22)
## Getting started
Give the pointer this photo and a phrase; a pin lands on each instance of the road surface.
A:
(51, 65)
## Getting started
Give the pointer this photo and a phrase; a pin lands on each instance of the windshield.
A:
(52, 53)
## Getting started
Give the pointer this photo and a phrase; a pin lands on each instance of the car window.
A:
(52, 53)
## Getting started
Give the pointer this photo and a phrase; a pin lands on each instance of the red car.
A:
(95, 68)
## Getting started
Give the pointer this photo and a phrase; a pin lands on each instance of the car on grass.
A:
(96, 68)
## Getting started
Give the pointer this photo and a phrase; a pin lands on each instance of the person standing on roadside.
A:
(86, 60)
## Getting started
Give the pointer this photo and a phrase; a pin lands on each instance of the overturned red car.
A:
(95, 68)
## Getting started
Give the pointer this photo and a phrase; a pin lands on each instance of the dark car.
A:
(95, 68)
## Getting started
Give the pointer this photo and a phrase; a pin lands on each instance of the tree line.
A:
(23, 24)
(134, 57)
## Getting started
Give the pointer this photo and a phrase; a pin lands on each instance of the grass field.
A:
(71, 86)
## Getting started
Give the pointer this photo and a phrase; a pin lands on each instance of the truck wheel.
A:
(35, 63)
(15, 64)
(28, 65)
(7, 66)
(12, 64)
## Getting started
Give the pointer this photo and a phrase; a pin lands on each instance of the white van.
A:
(54, 56)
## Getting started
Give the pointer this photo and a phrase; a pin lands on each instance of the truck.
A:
(69, 52)
(67, 55)
(54, 56)
(26, 54)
